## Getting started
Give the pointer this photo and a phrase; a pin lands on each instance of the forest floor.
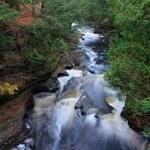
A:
(27, 17)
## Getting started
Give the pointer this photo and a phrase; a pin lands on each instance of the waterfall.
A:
(86, 113)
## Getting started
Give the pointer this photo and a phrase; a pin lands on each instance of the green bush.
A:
(129, 54)
(7, 41)
(7, 14)
(129, 47)
(146, 132)
(47, 36)
(36, 61)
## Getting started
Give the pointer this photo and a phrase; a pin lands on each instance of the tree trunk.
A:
(33, 8)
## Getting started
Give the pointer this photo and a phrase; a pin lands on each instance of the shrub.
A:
(7, 88)
(7, 14)
(36, 61)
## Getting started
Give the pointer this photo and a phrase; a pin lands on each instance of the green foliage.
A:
(51, 33)
(46, 35)
(7, 41)
(7, 14)
(36, 61)
(49, 38)
(129, 54)
(66, 11)
(95, 11)
(36, 35)
(16, 2)
(146, 132)
(139, 107)
(129, 48)
(145, 105)
(44, 44)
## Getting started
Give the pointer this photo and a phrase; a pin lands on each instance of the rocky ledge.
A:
(13, 109)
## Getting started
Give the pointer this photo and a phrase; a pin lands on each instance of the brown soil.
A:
(27, 17)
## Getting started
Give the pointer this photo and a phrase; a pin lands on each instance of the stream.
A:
(85, 114)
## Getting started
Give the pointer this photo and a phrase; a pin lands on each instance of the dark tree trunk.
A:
(33, 7)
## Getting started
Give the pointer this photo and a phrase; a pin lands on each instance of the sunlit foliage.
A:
(7, 88)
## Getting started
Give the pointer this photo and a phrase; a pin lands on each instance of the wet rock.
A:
(79, 58)
(91, 71)
(84, 104)
(11, 116)
(101, 61)
(72, 85)
(96, 98)
(62, 74)
(14, 113)
(69, 67)
(58, 70)
(83, 113)
(40, 89)
(53, 84)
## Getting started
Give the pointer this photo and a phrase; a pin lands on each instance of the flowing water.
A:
(85, 113)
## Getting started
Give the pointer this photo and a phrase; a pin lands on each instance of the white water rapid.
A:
(85, 114)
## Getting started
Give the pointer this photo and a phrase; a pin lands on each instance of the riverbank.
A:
(13, 109)
(15, 72)
(137, 113)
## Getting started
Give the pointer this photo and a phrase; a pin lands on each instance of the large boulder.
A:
(11, 116)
